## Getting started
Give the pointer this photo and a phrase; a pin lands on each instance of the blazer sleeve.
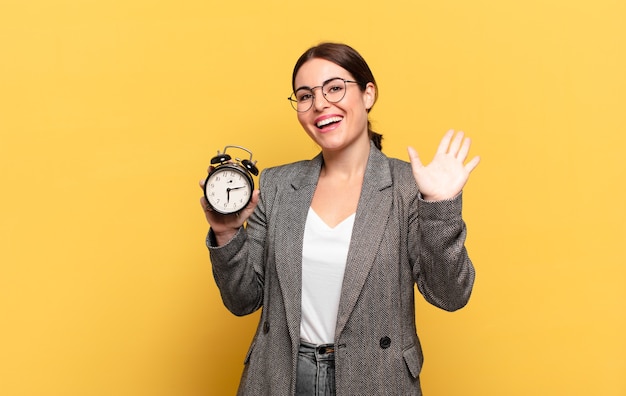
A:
(238, 266)
(444, 272)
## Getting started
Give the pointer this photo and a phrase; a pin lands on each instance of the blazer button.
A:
(385, 342)
(266, 327)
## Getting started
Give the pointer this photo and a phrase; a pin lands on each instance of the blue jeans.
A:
(316, 370)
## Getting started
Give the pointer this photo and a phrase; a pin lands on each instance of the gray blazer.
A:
(398, 241)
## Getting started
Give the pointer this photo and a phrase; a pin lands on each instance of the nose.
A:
(319, 101)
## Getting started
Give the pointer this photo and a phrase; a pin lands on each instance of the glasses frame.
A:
(294, 102)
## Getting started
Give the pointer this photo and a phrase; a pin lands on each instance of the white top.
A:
(324, 256)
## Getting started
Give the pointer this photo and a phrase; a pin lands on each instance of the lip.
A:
(320, 119)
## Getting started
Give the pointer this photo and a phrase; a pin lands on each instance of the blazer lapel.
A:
(290, 225)
(369, 225)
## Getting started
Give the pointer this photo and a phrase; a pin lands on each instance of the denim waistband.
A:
(320, 351)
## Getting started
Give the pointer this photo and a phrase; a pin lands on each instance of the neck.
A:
(347, 163)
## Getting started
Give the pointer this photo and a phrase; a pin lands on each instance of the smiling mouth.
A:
(328, 121)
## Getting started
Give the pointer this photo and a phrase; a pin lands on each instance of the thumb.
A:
(415, 158)
(252, 204)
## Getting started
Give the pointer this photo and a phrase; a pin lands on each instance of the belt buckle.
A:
(325, 349)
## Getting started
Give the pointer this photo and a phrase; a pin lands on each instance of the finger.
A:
(456, 143)
(445, 142)
(464, 150)
(256, 194)
(252, 204)
(205, 204)
(414, 158)
(470, 166)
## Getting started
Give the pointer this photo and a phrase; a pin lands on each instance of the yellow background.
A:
(111, 110)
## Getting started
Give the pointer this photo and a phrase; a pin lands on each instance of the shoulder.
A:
(399, 167)
(400, 171)
(385, 172)
(285, 170)
(282, 173)
(295, 174)
(400, 176)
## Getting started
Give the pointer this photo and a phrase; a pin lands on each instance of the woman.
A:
(333, 246)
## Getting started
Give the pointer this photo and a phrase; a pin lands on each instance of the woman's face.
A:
(334, 126)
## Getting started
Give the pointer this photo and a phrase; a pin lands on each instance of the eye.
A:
(335, 86)
(303, 96)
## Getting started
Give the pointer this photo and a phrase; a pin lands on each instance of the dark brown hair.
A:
(348, 58)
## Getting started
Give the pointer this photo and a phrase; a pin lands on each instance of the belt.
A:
(324, 349)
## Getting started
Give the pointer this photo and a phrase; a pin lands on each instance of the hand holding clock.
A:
(446, 175)
(225, 226)
(225, 176)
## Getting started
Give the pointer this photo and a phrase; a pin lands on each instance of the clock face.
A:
(228, 189)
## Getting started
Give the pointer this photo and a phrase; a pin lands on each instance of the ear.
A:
(369, 95)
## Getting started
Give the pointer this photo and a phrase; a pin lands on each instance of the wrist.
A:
(436, 198)
(223, 237)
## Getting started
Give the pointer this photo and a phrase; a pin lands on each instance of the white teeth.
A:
(328, 121)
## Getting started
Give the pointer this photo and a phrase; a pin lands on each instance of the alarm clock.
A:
(228, 187)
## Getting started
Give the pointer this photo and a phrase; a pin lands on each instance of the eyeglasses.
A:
(333, 90)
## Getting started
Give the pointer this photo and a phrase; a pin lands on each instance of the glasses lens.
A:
(293, 101)
(334, 90)
(302, 100)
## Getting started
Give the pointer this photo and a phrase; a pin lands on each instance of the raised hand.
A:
(446, 175)
(226, 226)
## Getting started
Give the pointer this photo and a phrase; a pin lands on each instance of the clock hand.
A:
(228, 190)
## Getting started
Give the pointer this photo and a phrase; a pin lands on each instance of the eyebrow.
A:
(330, 79)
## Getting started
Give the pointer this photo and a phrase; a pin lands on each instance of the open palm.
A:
(446, 175)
